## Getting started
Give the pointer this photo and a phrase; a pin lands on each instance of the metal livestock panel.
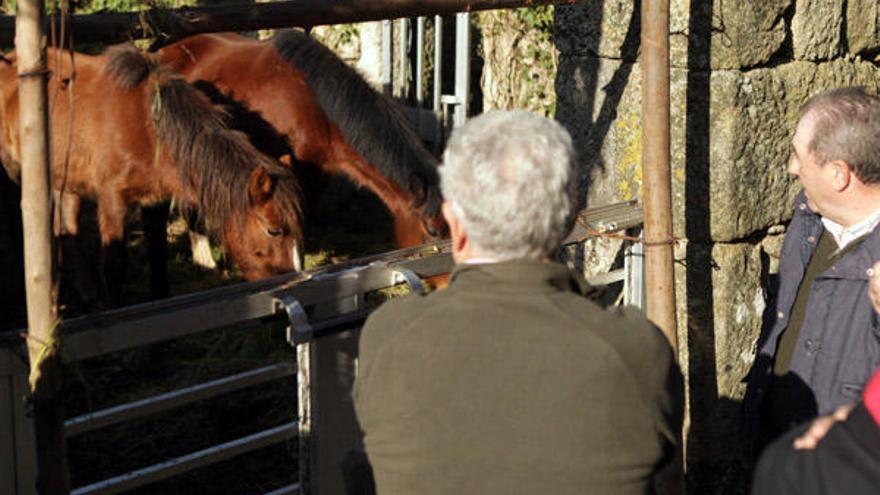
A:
(326, 354)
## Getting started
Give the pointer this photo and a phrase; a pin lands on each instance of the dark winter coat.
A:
(839, 343)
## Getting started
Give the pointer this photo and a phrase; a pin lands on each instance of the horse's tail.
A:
(371, 122)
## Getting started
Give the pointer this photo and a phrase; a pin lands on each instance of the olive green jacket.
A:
(510, 381)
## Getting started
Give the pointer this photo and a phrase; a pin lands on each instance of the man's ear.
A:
(841, 175)
(456, 230)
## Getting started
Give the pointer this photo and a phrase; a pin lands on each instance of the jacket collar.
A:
(855, 265)
(519, 276)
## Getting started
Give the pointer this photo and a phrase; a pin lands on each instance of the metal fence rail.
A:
(182, 464)
(152, 405)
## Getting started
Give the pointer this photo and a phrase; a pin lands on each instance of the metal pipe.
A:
(438, 84)
(657, 195)
(420, 63)
(387, 57)
(462, 67)
(178, 23)
(403, 47)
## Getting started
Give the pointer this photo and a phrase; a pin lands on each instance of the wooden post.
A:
(36, 206)
(657, 194)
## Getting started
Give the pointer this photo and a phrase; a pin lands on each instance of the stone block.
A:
(598, 27)
(863, 26)
(816, 29)
(754, 114)
(723, 35)
(730, 137)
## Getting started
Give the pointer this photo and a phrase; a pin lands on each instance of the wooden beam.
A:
(167, 25)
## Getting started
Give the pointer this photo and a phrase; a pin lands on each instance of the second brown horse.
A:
(321, 112)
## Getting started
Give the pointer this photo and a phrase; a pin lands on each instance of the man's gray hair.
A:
(510, 178)
(847, 128)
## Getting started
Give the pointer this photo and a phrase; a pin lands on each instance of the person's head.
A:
(509, 186)
(836, 148)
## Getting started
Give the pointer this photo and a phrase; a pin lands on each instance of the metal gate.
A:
(324, 308)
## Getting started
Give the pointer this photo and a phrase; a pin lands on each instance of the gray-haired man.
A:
(510, 381)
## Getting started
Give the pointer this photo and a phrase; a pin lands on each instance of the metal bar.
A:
(403, 55)
(420, 65)
(634, 285)
(438, 84)
(609, 218)
(387, 57)
(286, 490)
(607, 278)
(182, 22)
(331, 326)
(657, 186)
(438, 64)
(306, 456)
(189, 462)
(176, 398)
(462, 67)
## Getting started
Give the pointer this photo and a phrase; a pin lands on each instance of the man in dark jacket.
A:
(510, 381)
(820, 341)
(846, 461)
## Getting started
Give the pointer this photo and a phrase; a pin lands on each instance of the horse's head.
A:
(266, 237)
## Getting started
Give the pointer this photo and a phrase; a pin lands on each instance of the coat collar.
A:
(855, 265)
(519, 276)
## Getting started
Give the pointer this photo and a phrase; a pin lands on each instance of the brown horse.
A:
(127, 131)
(314, 109)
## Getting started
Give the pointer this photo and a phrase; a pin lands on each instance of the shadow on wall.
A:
(581, 111)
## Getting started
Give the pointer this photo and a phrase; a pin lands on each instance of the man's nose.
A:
(793, 167)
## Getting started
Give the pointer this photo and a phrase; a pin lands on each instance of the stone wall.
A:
(740, 71)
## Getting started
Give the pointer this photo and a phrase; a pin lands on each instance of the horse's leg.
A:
(111, 220)
(155, 219)
(78, 278)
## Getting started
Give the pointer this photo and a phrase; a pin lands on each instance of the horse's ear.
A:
(260, 186)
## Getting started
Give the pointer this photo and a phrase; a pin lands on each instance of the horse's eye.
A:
(275, 232)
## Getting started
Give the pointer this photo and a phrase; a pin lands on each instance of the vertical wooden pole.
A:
(36, 206)
(656, 167)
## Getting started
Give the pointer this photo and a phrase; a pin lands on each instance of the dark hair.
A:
(847, 128)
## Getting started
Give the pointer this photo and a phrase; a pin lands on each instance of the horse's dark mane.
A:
(212, 159)
(370, 121)
(128, 67)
